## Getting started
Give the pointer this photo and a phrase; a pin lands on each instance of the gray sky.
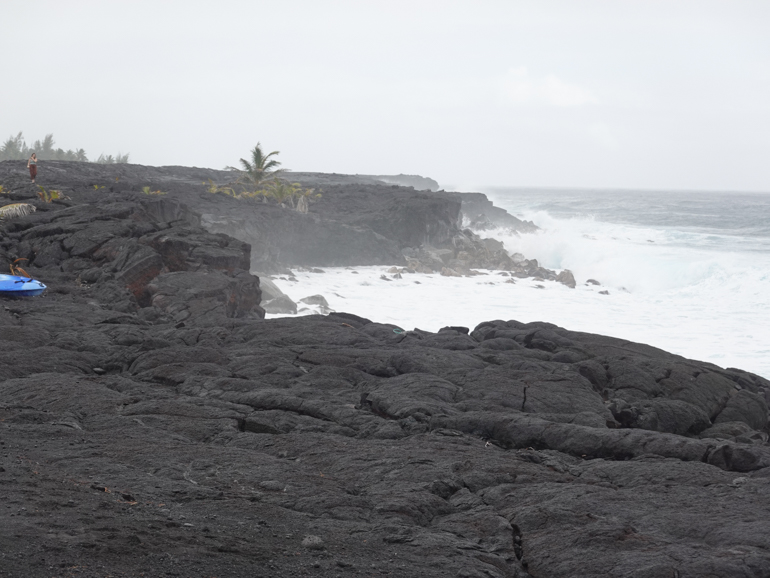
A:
(636, 94)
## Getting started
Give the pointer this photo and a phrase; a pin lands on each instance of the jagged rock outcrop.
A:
(466, 252)
(482, 214)
(133, 251)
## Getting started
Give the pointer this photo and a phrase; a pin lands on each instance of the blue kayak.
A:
(13, 286)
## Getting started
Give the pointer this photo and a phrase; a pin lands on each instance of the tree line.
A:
(16, 148)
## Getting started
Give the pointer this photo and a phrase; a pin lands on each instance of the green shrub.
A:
(214, 189)
(49, 196)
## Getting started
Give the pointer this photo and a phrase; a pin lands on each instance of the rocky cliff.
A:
(482, 214)
(356, 221)
(352, 223)
(152, 423)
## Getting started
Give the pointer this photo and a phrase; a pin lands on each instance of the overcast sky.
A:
(667, 94)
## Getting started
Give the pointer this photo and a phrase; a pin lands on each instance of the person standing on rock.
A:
(32, 166)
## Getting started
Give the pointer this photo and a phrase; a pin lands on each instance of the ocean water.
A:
(688, 272)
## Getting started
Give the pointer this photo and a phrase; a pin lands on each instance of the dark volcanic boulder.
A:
(747, 407)
(269, 289)
(280, 304)
(196, 297)
(567, 278)
(664, 415)
(186, 250)
(136, 266)
(316, 300)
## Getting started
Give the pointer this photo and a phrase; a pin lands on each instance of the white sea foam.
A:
(723, 331)
(688, 273)
(636, 258)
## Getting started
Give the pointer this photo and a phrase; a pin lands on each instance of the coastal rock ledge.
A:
(152, 423)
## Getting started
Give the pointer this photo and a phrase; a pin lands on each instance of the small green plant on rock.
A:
(97, 187)
(292, 194)
(304, 198)
(214, 189)
(262, 194)
(49, 196)
(283, 192)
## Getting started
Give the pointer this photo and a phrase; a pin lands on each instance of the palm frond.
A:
(266, 162)
(16, 210)
(247, 166)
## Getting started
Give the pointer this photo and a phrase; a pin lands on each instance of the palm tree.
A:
(261, 166)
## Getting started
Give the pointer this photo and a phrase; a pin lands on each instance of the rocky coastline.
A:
(153, 423)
